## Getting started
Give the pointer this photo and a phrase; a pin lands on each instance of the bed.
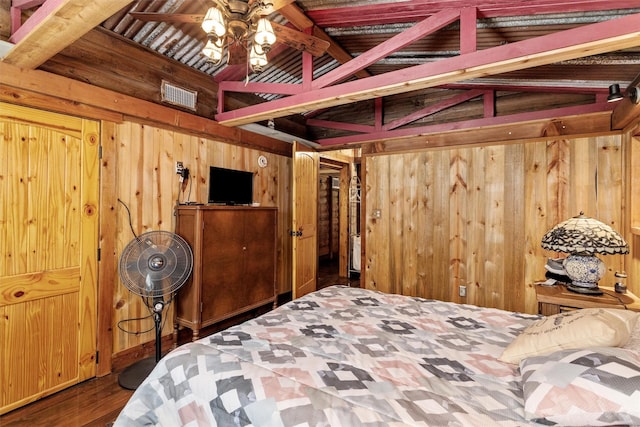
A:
(345, 356)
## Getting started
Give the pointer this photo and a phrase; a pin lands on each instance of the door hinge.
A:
(97, 356)
(99, 254)
(100, 152)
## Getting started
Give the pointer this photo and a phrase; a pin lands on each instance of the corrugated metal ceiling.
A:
(183, 42)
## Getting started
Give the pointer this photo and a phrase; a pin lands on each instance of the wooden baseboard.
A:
(127, 357)
(284, 298)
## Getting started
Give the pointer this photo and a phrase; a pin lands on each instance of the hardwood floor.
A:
(94, 403)
(98, 402)
(328, 275)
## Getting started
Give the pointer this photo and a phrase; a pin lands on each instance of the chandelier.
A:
(234, 23)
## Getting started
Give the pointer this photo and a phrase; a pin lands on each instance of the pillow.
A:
(589, 327)
(634, 339)
(596, 386)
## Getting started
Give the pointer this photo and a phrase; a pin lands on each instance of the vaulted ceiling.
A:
(392, 70)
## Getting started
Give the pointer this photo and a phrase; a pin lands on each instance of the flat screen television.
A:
(230, 187)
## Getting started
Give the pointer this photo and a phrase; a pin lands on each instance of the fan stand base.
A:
(132, 376)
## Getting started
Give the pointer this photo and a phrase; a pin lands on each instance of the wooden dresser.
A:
(234, 269)
(556, 299)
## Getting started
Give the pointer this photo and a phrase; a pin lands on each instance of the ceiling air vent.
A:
(180, 96)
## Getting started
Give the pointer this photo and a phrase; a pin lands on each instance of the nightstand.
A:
(556, 299)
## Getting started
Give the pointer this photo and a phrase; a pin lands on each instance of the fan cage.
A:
(155, 264)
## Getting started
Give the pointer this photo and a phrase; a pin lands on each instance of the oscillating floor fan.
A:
(154, 265)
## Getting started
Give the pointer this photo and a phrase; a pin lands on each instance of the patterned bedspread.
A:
(342, 357)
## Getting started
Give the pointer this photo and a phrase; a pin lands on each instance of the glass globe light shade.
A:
(213, 22)
(264, 36)
(257, 59)
(213, 51)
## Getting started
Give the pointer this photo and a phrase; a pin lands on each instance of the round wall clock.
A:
(262, 161)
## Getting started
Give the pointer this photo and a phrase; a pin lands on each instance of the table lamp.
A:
(583, 237)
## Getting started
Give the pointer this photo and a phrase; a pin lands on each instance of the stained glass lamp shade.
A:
(582, 238)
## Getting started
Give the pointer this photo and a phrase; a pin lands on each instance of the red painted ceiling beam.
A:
(418, 31)
(26, 4)
(467, 124)
(351, 127)
(394, 44)
(17, 6)
(587, 40)
(232, 75)
(468, 30)
(258, 87)
(417, 10)
(20, 30)
(488, 101)
(431, 109)
(239, 72)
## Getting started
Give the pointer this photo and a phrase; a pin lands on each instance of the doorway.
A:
(334, 213)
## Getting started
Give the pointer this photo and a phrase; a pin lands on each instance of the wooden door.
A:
(305, 220)
(49, 171)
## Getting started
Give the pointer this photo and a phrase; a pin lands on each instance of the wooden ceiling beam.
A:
(581, 125)
(592, 39)
(417, 10)
(432, 109)
(521, 86)
(54, 26)
(301, 21)
(626, 113)
(417, 115)
(586, 125)
(30, 85)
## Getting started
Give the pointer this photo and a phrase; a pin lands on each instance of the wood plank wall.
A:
(334, 231)
(328, 217)
(324, 215)
(129, 141)
(482, 210)
(146, 182)
(475, 216)
(631, 145)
